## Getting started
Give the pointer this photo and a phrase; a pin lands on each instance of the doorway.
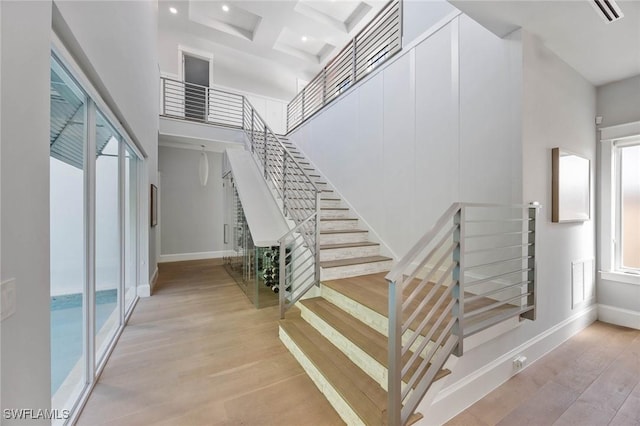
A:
(196, 78)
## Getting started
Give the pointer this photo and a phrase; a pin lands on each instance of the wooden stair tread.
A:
(353, 261)
(343, 231)
(372, 291)
(367, 399)
(348, 245)
(334, 208)
(329, 219)
(372, 342)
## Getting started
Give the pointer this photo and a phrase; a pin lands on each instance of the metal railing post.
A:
(164, 95)
(324, 86)
(532, 215)
(354, 65)
(264, 152)
(243, 112)
(282, 281)
(302, 107)
(253, 123)
(394, 385)
(317, 239)
(284, 183)
(458, 278)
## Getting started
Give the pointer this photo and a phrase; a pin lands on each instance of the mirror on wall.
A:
(571, 186)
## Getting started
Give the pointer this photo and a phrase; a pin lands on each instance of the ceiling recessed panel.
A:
(342, 15)
(301, 45)
(229, 17)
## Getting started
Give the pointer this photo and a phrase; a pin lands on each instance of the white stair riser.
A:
(364, 361)
(330, 203)
(368, 316)
(337, 402)
(337, 225)
(335, 214)
(349, 252)
(355, 270)
(351, 237)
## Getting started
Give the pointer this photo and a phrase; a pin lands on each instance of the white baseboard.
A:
(180, 257)
(145, 290)
(619, 316)
(456, 397)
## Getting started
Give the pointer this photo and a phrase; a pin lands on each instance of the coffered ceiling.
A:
(301, 35)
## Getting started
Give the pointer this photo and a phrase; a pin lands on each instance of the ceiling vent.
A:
(608, 10)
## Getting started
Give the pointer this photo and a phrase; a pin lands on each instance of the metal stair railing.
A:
(299, 260)
(299, 195)
(473, 269)
(376, 43)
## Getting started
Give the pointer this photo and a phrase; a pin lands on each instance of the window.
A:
(628, 207)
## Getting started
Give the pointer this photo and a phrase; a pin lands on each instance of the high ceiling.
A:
(273, 40)
(301, 35)
(602, 52)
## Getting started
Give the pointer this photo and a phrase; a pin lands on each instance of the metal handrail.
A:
(428, 319)
(384, 31)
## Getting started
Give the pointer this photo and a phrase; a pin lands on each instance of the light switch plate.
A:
(7, 299)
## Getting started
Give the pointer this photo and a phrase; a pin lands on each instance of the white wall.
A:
(25, 369)
(417, 136)
(114, 43)
(469, 121)
(191, 215)
(419, 15)
(618, 103)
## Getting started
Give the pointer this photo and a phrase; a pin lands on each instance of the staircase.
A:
(345, 248)
(340, 339)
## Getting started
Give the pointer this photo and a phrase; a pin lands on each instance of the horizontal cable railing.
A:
(475, 268)
(199, 103)
(372, 46)
(298, 194)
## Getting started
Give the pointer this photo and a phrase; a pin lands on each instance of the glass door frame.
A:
(94, 363)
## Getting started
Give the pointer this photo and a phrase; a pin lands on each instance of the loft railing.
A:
(372, 46)
(475, 268)
(199, 103)
(298, 194)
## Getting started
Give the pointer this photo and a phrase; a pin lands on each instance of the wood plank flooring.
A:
(593, 379)
(198, 353)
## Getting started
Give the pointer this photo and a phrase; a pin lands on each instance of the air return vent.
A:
(608, 9)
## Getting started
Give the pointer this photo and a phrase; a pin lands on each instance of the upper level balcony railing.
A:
(371, 47)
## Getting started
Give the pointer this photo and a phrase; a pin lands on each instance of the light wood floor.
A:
(593, 379)
(198, 353)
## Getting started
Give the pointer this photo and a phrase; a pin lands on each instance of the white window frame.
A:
(609, 211)
(618, 145)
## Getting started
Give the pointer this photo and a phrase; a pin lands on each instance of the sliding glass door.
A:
(94, 178)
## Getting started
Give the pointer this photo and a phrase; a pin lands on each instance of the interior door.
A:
(196, 78)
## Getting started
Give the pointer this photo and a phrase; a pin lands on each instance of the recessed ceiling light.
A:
(225, 8)
(173, 10)
(304, 38)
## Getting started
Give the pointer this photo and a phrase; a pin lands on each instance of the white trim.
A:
(181, 257)
(620, 277)
(621, 131)
(197, 53)
(146, 290)
(456, 397)
(619, 316)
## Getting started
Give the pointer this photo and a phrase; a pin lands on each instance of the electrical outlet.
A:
(7, 299)
(519, 362)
